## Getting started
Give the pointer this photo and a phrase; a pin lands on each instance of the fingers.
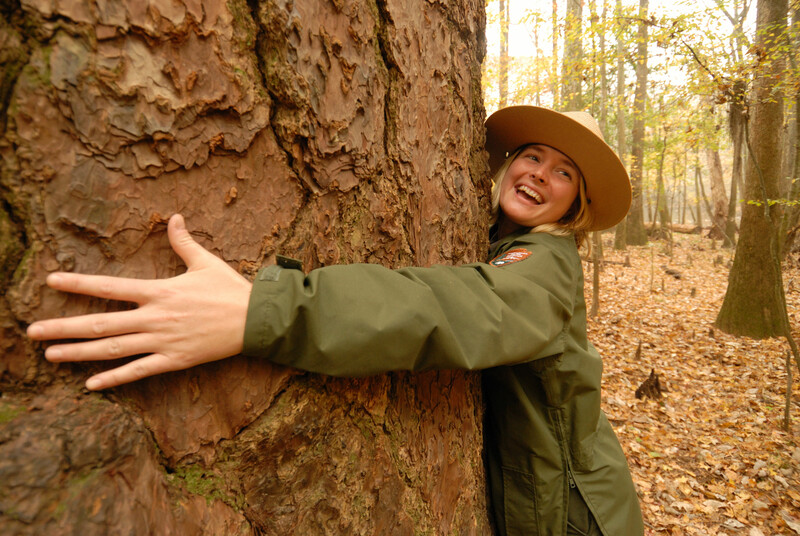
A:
(101, 349)
(100, 286)
(192, 253)
(86, 326)
(130, 372)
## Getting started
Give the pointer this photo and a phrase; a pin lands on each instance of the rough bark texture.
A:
(334, 132)
(754, 303)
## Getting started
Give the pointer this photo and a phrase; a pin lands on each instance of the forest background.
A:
(676, 87)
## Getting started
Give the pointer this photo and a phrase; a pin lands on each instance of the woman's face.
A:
(539, 186)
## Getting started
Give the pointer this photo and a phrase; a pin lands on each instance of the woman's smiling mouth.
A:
(530, 193)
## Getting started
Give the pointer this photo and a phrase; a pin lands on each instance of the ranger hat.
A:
(577, 135)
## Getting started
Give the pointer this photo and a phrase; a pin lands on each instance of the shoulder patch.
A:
(510, 257)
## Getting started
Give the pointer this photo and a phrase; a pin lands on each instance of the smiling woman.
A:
(539, 186)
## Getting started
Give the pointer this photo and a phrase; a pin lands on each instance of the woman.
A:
(554, 463)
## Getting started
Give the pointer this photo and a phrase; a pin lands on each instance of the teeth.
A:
(532, 193)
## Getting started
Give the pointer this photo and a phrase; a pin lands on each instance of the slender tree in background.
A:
(537, 75)
(719, 200)
(737, 102)
(571, 70)
(300, 138)
(661, 209)
(620, 238)
(636, 233)
(754, 303)
(598, 25)
(698, 189)
(791, 223)
(503, 64)
(554, 79)
(736, 125)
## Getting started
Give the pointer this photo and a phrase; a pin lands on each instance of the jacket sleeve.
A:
(361, 319)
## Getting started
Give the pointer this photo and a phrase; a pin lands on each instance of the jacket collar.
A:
(495, 243)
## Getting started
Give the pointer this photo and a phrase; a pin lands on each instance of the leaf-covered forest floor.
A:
(711, 456)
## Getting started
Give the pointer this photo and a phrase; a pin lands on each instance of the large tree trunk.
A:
(330, 132)
(753, 304)
(634, 224)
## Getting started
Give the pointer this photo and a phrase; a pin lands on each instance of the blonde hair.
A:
(576, 221)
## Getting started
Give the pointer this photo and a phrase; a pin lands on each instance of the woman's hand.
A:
(194, 318)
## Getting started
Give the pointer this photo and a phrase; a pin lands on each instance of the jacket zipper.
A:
(562, 439)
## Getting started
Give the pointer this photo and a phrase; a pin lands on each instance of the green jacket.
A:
(520, 317)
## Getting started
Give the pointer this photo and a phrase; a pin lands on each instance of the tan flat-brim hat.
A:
(577, 135)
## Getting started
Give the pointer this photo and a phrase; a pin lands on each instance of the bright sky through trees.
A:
(531, 26)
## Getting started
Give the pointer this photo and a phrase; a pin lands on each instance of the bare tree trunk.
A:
(699, 193)
(704, 198)
(636, 234)
(538, 62)
(620, 235)
(571, 91)
(597, 239)
(736, 119)
(555, 79)
(303, 128)
(754, 303)
(661, 203)
(684, 188)
(504, 8)
(719, 201)
(791, 220)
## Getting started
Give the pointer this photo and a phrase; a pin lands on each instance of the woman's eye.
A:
(533, 157)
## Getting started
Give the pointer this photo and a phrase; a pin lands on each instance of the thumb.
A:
(184, 245)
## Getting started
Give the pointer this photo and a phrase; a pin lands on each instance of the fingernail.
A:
(93, 384)
(54, 280)
(35, 332)
(53, 354)
(179, 223)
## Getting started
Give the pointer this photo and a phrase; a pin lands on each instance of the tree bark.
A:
(571, 91)
(698, 189)
(333, 132)
(719, 200)
(635, 231)
(555, 79)
(503, 74)
(736, 119)
(620, 236)
(753, 304)
(599, 57)
(791, 217)
(661, 206)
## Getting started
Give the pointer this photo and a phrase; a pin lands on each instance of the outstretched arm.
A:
(194, 318)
